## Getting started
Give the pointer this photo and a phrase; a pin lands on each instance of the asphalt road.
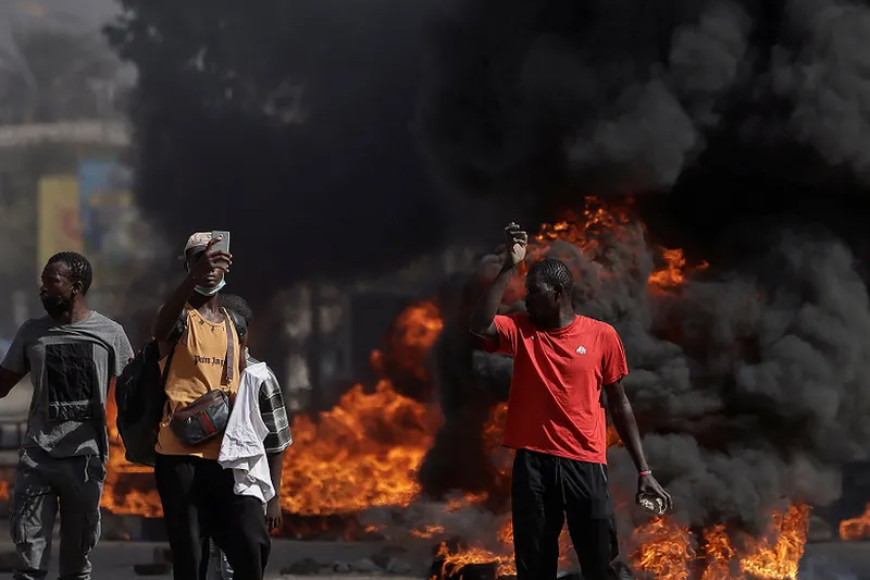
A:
(115, 560)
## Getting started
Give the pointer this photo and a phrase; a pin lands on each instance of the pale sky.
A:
(87, 16)
(83, 15)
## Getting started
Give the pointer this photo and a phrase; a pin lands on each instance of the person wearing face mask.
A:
(202, 358)
(72, 354)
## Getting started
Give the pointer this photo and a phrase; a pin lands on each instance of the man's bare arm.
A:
(274, 516)
(626, 424)
(482, 321)
(167, 316)
(8, 380)
(276, 470)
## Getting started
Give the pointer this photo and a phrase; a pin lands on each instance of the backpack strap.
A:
(230, 359)
(182, 326)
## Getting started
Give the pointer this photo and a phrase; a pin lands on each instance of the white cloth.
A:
(242, 447)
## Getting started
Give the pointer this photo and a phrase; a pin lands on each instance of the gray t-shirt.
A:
(70, 366)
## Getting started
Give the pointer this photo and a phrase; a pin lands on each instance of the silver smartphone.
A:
(224, 244)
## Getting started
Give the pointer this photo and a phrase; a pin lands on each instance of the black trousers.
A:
(198, 504)
(545, 489)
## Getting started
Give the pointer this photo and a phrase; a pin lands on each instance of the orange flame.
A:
(856, 529)
(583, 231)
(599, 220)
(503, 558)
(428, 531)
(364, 452)
(452, 563)
(673, 274)
(414, 333)
(778, 553)
(719, 554)
(467, 500)
(4, 490)
(665, 549)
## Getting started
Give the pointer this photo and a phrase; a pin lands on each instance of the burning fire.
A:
(583, 231)
(778, 553)
(598, 220)
(856, 529)
(4, 490)
(469, 499)
(414, 333)
(453, 563)
(428, 531)
(719, 553)
(502, 558)
(665, 549)
(365, 452)
(673, 274)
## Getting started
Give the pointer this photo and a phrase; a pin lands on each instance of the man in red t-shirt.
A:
(563, 365)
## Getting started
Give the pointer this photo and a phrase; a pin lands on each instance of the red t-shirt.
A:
(555, 404)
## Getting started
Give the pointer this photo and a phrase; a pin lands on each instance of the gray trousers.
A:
(41, 483)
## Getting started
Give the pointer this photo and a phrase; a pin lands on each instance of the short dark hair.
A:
(79, 267)
(553, 272)
(239, 309)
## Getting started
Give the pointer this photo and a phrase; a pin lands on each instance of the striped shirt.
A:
(274, 412)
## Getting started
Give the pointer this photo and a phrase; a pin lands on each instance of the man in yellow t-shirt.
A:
(196, 493)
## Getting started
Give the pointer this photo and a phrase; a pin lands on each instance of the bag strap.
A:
(230, 359)
(182, 336)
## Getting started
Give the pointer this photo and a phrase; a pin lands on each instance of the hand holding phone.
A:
(210, 269)
(223, 241)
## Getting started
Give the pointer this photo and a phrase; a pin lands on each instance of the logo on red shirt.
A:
(581, 349)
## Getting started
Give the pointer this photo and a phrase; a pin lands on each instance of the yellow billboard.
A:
(60, 227)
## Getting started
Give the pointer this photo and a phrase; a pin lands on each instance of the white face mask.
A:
(213, 290)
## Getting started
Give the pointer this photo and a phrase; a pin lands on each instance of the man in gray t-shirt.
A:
(71, 356)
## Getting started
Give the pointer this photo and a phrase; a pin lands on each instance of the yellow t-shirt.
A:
(198, 366)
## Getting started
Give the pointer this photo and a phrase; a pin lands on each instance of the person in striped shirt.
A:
(275, 417)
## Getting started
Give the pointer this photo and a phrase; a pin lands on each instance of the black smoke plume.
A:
(732, 107)
(287, 124)
(749, 119)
